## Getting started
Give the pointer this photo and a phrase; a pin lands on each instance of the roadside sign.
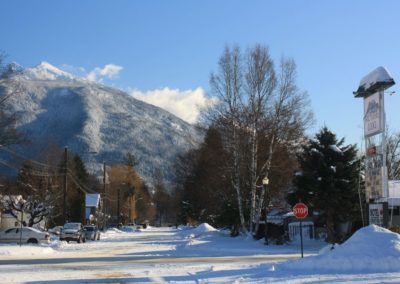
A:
(300, 210)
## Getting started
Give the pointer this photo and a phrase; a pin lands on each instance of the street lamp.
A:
(265, 183)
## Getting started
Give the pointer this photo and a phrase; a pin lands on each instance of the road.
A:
(136, 257)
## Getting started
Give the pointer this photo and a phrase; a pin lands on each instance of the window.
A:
(396, 211)
(10, 231)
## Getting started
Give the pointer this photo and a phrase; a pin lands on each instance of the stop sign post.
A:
(300, 211)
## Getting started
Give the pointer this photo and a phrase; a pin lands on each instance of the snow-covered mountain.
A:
(58, 108)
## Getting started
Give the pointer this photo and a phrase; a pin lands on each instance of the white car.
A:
(29, 235)
(56, 230)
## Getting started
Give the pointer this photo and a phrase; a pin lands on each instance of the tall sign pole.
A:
(371, 89)
(300, 211)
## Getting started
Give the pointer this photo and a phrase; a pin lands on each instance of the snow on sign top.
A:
(378, 79)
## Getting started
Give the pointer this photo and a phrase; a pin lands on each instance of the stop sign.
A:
(300, 211)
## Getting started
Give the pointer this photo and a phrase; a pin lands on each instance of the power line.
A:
(82, 187)
(22, 157)
(32, 171)
(8, 165)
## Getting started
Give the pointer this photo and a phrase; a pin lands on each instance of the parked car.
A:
(29, 235)
(128, 229)
(73, 232)
(56, 230)
(92, 232)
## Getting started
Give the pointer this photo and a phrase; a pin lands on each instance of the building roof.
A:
(92, 200)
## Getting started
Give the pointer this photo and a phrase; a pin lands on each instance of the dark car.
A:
(73, 232)
(92, 232)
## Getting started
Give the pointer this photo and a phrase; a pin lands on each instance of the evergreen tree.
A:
(130, 160)
(328, 180)
(76, 195)
(208, 195)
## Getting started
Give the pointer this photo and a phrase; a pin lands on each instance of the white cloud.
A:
(75, 70)
(109, 71)
(185, 104)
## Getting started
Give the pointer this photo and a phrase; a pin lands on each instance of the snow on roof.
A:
(379, 78)
(16, 199)
(92, 199)
(303, 223)
(299, 173)
(289, 214)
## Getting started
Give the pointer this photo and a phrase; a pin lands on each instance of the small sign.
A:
(373, 118)
(300, 210)
(371, 151)
(378, 214)
(374, 176)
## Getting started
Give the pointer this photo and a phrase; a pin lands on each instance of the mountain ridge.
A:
(55, 106)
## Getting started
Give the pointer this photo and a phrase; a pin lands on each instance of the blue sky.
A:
(176, 44)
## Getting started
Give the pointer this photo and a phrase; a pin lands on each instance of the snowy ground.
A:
(202, 255)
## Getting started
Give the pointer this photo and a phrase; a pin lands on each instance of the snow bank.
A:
(113, 231)
(24, 250)
(184, 227)
(203, 229)
(371, 248)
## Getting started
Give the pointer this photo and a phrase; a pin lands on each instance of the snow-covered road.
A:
(159, 255)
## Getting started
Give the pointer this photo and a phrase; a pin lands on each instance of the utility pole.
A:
(105, 195)
(118, 207)
(65, 184)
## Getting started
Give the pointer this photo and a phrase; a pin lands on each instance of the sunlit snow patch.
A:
(203, 229)
(24, 250)
(370, 249)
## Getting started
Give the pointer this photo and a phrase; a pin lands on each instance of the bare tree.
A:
(393, 156)
(256, 103)
(285, 121)
(260, 85)
(38, 193)
(228, 86)
(8, 88)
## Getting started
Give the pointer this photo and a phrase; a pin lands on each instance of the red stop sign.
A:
(300, 211)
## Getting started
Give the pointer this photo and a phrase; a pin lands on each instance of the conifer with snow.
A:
(328, 180)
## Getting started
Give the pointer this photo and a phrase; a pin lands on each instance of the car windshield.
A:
(89, 228)
(31, 229)
(71, 226)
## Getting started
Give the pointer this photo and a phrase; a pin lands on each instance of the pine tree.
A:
(75, 194)
(208, 195)
(328, 179)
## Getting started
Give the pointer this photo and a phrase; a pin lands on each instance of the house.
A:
(8, 218)
(92, 207)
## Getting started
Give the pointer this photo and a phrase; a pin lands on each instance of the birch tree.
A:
(393, 156)
(227, 85)
(256, 103)
(260, 85)
(285, 122)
